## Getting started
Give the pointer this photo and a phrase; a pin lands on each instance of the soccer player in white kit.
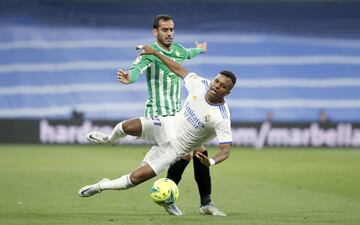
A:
(203, 116)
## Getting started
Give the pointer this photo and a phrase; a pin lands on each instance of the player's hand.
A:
(123, 76)
(147, 50)
(202, 45)
(203, 159)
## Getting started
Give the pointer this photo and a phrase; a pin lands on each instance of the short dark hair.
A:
(230, 75)
(159, 17)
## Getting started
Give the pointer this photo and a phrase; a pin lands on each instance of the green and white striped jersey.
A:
(164, 87)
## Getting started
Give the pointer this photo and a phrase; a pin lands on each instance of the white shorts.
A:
(158, 130)
(160, 158)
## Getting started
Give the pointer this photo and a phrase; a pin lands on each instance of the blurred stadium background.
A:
(296, 61)
(298, 69)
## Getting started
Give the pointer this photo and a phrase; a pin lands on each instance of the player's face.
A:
(220, 86)
(165, 33)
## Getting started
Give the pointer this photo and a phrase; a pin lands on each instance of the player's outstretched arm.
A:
(172, 65)
(128, 77)
(123, 76)
(224, 152)
(202, 45)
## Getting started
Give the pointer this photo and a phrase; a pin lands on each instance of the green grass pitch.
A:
(39, 185)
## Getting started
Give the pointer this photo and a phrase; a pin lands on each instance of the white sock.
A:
(117, 134)
(121, 183)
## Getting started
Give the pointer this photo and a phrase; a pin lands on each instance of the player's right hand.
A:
(123, 76)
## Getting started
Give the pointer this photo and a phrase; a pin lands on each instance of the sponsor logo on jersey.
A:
(193, 120)
(193, 76)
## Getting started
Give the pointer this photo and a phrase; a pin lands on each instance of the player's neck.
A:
(163, 47)
(214, 101)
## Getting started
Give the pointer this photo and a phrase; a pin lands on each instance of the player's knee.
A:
(141, 174)
(136, 178)
(132, 127)
(127, 126)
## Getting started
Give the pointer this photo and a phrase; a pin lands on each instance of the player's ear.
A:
(155, 32)
(229, 90)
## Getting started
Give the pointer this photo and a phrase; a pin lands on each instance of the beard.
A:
(166, 43)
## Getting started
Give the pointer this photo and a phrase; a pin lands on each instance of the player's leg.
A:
(159, 159)
(155, 161)
(143, 173)
(203, 180)
(174, 173)
(176, 170)
(133, 127)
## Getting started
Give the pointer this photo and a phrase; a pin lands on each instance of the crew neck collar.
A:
(162, 49)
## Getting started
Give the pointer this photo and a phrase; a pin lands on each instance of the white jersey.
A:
(199, 121)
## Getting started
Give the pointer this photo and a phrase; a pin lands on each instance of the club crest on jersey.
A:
(194, 97)
(207, 118)
(177, 53)
(193, 76)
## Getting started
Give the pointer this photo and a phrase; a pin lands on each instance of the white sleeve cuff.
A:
(212, 161)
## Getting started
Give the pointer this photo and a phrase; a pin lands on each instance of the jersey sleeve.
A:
(193, 81)
(192, 52)
(223, 132)
(138, 67)
(189, 53)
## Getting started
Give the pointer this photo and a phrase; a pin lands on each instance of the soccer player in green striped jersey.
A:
(163, 85)
(164, 96)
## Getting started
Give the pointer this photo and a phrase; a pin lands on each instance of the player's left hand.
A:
(202, 45)
(203, 159)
